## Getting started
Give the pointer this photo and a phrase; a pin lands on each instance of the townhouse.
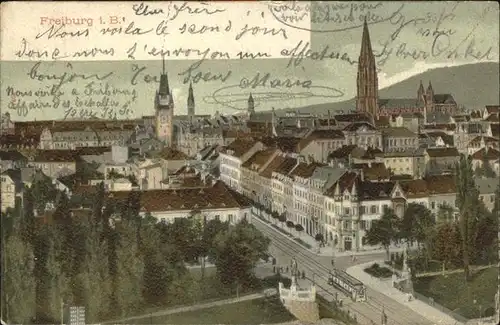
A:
(307, 207)
(406, 162)
(363, 135)
(55, 163)
(251, 182)
(320, 143)
(282, 194)
(12, 159)
(231, 159)
(440, 160)
(399, 138)
(487, 187)
(12, 187)
(485, 155)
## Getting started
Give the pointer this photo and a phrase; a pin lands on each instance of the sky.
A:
(408, 38)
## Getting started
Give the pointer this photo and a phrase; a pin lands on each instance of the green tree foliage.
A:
(384, 231)
(237, 251)
(130, 271)
(469, 209)
(18, 289)
(92, 283)
(57, 283)
(447, 243)
(416, 220)
(115, 269)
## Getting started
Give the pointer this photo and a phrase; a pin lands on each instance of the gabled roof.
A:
(57, 156)
(391, 103)
(342, 152)
(285, 144)
(286, 166)
(398, 132)
(345, 182)
(352, 118)
(375, 190)
(218, 196)
(321, 135)
(447, 139)
(486, 154)
(239, 147)
(493, 109)
(374, 171)
(259, 158)
(441, 184)
(12, 155)
(273, 166)
(444, 99)
(442, 152)
(305, 170)
(358, 125)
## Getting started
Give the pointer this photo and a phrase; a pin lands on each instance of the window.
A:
(362, 210)
(433, 205)
(373, 209)
(217, 217)
(347, 211)
(363, 224)
(492, 198)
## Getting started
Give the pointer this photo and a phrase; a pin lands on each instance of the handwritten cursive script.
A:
(267, 88)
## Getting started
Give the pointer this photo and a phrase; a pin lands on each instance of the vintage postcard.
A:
(261, 162)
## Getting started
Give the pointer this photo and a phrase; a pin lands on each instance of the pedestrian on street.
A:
(274, 269)
(286, 269)
(303, 275)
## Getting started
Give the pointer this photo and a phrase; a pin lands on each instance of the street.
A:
(316, 269)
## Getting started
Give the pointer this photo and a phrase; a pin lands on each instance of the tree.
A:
(469, 208)
(384, 231)
(210, 231)
(130, 271)
(92, 284)
(299, 228)
(447, 243)
(418, 225)
(486, 236)
(282, 218)
(237, 251)
(18, 290)
(56, 282)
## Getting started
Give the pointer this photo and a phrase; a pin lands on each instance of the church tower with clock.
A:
(164, 111)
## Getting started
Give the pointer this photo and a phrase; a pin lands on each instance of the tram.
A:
(348, 284)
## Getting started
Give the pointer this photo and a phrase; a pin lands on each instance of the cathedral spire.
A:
(190, 100)
(251, 105)
(164, 87)
(367, 79)
(366, 44)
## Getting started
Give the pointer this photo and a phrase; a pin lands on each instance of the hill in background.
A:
(472, 85)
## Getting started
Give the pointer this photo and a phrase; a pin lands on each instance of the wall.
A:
(301, 303)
